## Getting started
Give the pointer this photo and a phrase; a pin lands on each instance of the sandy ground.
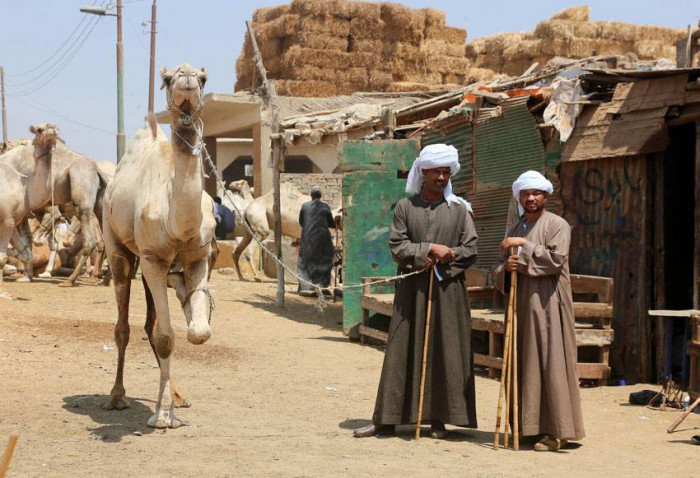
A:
(274, 393)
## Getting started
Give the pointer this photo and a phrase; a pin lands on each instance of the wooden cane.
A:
(514, 362)
(505, 367)
(8, 455)
(682, 417)
(425, 353)
(509, 375)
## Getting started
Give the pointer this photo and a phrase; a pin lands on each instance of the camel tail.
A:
(151, 120)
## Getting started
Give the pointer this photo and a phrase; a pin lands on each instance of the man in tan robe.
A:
(431, 231)
(550, 403)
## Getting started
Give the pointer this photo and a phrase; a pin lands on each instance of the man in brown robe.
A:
(549, 395)
(431, 231)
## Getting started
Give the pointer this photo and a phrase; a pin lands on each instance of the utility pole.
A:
(121, 141)
(4, 110)
(153, 58)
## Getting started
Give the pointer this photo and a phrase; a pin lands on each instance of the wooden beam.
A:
(374, 333)
(595, 371)
(592, 310)
(602, 286)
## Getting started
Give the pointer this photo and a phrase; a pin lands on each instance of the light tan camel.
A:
(74, 178)
(261, 219)
(155, 208)
(20, 194)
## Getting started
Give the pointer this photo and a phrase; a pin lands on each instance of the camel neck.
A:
(185, 211)
(40, 181)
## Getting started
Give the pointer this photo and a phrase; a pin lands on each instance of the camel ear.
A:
(167, 77)
(203, 76)
(32, 129)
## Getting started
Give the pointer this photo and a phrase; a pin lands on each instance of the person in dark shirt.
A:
(225, 219)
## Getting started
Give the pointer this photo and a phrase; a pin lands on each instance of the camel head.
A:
(45, 137)
(241, 187)
(184, 91)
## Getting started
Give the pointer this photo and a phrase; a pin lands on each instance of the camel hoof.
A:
(258, 279)
(67, 284)
(163, 421)
(5, 295)
(116, 403)
(181, 402)
(23, 279)
(45, 275)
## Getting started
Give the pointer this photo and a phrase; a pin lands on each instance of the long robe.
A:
(449, 387)
(547, 375)
(316, 252)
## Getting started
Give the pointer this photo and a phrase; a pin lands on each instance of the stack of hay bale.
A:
(330, 47)
(571, 34)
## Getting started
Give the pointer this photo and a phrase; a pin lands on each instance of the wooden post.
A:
(4, 110)
(152, 66)
(277, 158)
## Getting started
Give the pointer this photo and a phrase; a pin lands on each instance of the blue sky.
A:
(71, 81)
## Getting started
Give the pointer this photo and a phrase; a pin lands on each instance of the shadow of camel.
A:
(114, 424)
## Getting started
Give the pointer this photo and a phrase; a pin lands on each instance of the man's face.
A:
(533, 200)
(436, 179)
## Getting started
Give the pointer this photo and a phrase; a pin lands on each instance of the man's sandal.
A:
(548, 443)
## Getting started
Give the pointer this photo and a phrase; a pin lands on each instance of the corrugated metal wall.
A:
(494, 149)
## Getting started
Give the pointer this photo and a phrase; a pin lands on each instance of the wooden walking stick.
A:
(514, 363)
(509, 374)
(425, 353)
(8, 455)
(507, 358)
(685, 414)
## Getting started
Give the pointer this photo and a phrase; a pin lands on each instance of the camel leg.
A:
(240, 248)
(155, 270)
(6, 230)
(22, 242)
(180, 401)
(122, 264)
(88, 235)
(97, 256)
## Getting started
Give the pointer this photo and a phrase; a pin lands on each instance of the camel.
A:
(73, 178)
(155, 208)
(260, 218)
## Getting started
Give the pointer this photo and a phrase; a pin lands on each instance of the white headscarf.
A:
(431, 157)
(530, 180)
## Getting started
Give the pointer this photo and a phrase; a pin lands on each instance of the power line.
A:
(48, 109)
(82, 20)
(63, 67)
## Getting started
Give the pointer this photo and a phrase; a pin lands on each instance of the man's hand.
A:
(509, 242)
(441, 253)
(512, 263)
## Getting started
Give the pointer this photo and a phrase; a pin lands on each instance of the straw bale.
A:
(652, 50)
(297, 57)
(356, 75)
(324, 24)
(586, 29)
(427, 78)
(316, 41)
(434, 18)
(447, 64)
(337, 8)
(403, 23)
(584, 47)
(281, 27)
(521, 49)
(618, 31)
(263, 15)
(554, 30)
(313, 73)
(365, 11)
(348, 88)
(516, 67)
(476, 48)
(406, 86)
(367, 29)
(666, 35)
(307, 89)
(403, 51)
(452, 35)
(369, 60)
(454, 79)
(476, 75)
(575, 14)
(379, 80)
(440, 47)
(365, 45)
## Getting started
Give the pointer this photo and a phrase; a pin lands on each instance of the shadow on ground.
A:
(113, 424)
(299, 309)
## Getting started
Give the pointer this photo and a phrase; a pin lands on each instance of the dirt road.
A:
(274, 393)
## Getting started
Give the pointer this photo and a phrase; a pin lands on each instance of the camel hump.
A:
(151, 120)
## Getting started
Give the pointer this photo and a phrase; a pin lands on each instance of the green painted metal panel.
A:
(372, 185)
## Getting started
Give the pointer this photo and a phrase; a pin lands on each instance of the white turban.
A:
(431, 157)
(530, 180)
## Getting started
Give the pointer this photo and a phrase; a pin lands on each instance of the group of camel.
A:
(153, 207)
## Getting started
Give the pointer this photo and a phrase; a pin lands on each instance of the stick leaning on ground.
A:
(425, 352)
(685, 414)
(8, 455)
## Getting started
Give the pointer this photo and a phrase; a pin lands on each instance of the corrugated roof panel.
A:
(506, 146)
(490, 215)
(455, 130)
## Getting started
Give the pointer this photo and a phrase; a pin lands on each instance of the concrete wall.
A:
(324, 156)
(331, 186)
(227, 151)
